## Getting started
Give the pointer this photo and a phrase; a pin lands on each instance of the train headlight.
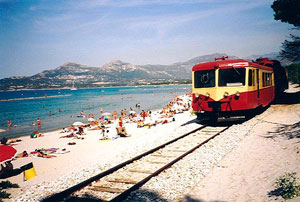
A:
(207, 94)
(226, 94)
(237, 94)
(196, 95)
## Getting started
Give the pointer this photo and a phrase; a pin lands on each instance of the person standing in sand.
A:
(8, 123)
(38, 122)
(143, 115)
(115, 115)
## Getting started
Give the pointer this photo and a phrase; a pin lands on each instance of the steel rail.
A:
(65, 193)
(126, 193)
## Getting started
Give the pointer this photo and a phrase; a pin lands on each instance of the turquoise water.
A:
(24, 107)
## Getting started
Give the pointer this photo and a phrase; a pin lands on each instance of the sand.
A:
(87, 152)
(249, 172)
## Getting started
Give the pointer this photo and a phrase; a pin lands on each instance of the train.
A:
(235, 87)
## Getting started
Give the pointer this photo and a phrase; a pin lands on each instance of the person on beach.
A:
(8, 123)
(125, 112)
(22, 154)
(38, 122)
(121, 130)
(101, 111)
(115, 115)
(36, 134)
(67, 136)
(143, 114)
(5, 141)
(43, 155)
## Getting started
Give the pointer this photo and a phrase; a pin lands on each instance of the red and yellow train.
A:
(225, 88)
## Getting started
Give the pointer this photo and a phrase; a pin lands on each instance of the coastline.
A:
(89, 101)
(121, 86)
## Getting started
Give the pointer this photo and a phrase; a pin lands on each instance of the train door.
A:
(257, 81)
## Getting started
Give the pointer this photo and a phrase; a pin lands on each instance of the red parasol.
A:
(7, 153)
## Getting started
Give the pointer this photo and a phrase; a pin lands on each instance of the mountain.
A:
(110, 74)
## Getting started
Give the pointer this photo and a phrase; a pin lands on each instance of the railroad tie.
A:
(107, 189)
(178, 150)
(163, 156)
(123, 180)
(157, 162)
(140, 171)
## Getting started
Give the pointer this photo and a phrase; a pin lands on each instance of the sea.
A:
(59, 108)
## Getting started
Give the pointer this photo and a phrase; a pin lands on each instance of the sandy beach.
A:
(91, 152)
(252, 154)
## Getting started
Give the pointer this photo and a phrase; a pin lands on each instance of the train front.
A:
(219, 89)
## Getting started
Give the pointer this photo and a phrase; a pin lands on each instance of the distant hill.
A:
(110, 74)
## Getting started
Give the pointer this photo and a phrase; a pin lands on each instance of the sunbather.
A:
(43, 155)
(23, 154)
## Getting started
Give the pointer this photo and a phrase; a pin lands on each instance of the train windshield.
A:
(204, 79)
(232, 77)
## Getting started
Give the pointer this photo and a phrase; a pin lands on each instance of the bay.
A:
(24, 107)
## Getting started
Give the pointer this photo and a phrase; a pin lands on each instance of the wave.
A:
(34, 98)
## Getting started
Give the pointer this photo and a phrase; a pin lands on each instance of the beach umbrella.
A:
(106, 114)
(7, 153)
(105, 117)
(91, 119)
(77, 123)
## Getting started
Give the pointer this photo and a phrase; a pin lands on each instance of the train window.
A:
(250, 81)
(232, 77)
(204, 79)
(267, 79)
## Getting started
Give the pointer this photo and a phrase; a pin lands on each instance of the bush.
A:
(294, 72)
(7, 184)
(287, 186)
(4, 194)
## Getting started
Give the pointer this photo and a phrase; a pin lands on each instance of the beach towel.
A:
(51, 151)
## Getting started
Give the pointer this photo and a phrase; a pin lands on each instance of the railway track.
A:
(118, 182)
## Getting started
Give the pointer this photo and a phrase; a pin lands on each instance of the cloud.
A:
(88, 20)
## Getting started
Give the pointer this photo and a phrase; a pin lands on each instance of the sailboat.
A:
(73, 87)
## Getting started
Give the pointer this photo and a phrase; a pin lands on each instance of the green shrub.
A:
(287, 186)
(7, 184)
(4, 194)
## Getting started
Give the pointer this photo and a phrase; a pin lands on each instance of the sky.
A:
(38, 35)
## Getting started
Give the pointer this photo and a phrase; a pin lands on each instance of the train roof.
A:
(225, 64)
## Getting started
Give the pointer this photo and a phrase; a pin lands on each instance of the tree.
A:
(291, 49)
(289, 11)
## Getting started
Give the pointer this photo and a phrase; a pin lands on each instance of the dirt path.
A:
(249, 172)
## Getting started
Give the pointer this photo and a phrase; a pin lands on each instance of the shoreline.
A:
(60, 128)
(25, 128)
(122, 86)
